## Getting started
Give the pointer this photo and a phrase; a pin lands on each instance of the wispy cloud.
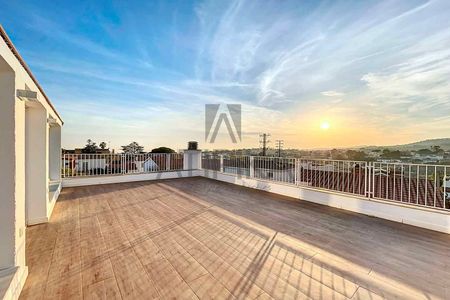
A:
(333, 94)
(369, 68)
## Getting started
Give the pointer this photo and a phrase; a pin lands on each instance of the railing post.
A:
(296, 170)
(368, 180)
(168, 162)
(63, 163)
(252, 166)
(221, 163)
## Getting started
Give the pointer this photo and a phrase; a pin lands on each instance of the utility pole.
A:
(263, 141)
(279, 145)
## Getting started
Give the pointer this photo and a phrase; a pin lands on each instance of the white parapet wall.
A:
(192, 160)
(94, 180)
(412, 215)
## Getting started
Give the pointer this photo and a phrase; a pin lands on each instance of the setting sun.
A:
(325, 125)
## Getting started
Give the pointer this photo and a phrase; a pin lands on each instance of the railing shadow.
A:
(336, 231)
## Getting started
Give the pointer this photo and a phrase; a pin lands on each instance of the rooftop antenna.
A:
(279, 145)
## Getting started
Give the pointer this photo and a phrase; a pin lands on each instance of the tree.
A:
(102, 145)
(356, 155)
(90, 147)
(424, 151)
(132, 148)
(395, 154)
(163, 150)
(437, 149)
(336, 154)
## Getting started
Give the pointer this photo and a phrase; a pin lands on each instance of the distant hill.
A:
(444, 143)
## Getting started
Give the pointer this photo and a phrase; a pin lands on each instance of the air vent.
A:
(192, 145)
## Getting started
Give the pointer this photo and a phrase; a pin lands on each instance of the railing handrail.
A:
(410, 183)
(100, 164)
(327, 159)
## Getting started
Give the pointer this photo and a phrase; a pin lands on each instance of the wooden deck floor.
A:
(199, 238)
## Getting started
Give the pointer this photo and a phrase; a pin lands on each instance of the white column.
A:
(192, 160)
(12, 181)
(168, 162)
(9, 156)
(252, 166)
(37, 166)
(55, 152)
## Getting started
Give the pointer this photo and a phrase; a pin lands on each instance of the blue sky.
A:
(377, 71)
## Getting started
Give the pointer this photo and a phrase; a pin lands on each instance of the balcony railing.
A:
(76, 165)
(412, 184)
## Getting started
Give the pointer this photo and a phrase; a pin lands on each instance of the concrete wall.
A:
(54, 154)
(417, 216)
(14, 148)
(37, 165)
(12, 183)
(192, 160)
(10, 163)
(94, 180)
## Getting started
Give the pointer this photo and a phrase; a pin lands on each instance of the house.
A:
(81, 151)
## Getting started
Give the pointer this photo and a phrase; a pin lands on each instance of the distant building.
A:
(429, 158)
(80, 151)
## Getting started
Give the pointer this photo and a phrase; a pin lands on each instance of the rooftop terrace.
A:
(202, 238)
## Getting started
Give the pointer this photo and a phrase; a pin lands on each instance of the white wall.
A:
(94, 180)
(413, 215)
(37, 165)
(10, 194)
(54, 155)
(192, 160)
(13, 164)
(13, 271)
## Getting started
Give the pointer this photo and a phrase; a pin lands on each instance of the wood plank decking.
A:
(199, 238)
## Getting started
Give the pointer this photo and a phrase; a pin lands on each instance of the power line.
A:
(279, 145)
(263, 141)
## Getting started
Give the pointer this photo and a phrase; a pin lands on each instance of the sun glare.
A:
(325, 125)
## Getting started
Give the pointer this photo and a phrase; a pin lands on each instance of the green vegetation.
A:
(163, 150)
(133, 148)
(91, 146)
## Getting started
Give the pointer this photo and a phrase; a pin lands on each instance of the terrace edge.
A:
(410, 215)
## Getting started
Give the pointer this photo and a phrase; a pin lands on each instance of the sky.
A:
(316, 74)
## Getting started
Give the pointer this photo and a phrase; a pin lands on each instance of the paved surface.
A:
(200, 238)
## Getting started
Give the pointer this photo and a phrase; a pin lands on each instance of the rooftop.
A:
(197, 237)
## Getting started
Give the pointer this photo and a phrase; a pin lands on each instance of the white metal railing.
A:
(75, 165)
(415, 184)
(274, 168)
(419, 184)
(337, 175)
